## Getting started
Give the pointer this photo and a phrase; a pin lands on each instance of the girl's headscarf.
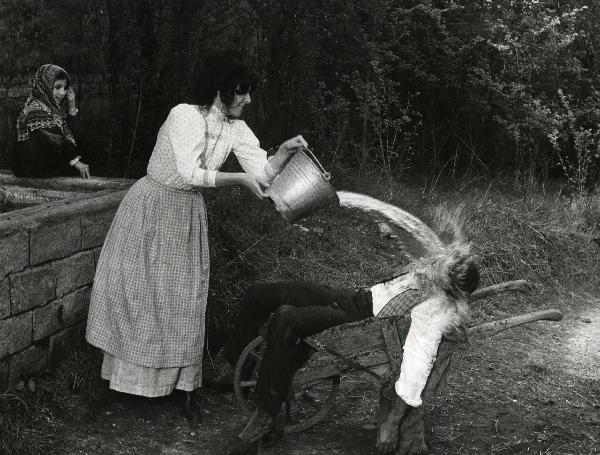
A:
(40, 110)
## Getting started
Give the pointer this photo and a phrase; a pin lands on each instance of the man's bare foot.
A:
(387, 437)
(412, 433)
(192, 406)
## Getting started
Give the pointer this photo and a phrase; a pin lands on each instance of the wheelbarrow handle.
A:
(490, 329)
(517, 285)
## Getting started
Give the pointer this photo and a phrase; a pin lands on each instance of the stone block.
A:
(76, 306)
(96, 255)
(47, 320)
(4, 299)
(94, 228)
(32, 288)
(65, 312)
(55, 240)
(15, 333)
(14, 252)
(61, 343)
(74, 272)
(3, 374)
(26, 363)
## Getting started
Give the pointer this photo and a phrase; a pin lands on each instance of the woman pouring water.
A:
(149, 298)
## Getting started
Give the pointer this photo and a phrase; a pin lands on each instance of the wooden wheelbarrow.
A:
(372, 347)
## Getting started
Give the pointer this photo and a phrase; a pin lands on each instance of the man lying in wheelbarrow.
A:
(434, 289)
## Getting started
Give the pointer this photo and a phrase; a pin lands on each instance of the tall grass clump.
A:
(35, 415)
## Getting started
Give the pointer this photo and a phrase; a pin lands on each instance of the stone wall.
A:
(48, 257)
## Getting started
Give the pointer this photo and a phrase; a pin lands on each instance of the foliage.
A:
(576, 143)
(446, 86)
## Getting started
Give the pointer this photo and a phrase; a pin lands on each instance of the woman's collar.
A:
(218, 109)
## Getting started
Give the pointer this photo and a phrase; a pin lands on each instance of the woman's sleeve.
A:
(251, 157)
(186, 131)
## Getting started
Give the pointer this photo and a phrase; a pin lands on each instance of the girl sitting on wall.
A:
(45, 144)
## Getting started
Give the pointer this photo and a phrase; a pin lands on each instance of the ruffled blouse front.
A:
(193, 143)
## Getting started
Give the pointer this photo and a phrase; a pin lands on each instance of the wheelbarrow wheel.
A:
(306, 405)
(246, 373)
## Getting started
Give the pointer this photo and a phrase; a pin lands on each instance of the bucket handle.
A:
(326, 175)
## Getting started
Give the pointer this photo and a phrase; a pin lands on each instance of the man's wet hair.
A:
(470, 280)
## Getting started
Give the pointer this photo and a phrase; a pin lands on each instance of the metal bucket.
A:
(301, 187)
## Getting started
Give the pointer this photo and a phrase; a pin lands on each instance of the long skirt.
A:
(149, 297)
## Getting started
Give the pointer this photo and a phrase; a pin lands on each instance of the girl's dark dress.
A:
(45, 154)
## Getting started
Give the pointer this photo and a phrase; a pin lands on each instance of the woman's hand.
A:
(83, 169)
(285, 152)
(250, 182)
(293, 145)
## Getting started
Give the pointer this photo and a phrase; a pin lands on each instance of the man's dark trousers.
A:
(294, 310)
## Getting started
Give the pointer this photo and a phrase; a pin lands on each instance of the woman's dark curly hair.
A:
(222, 72)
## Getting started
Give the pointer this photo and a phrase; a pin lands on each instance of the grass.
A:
(518, 231)
(34, 417)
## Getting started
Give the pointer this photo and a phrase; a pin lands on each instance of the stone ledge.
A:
(64, 197)
(32, 217)
(92, 184)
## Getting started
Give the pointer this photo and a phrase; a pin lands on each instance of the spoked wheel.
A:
(307, 404)
(310, 403)
(246, 372)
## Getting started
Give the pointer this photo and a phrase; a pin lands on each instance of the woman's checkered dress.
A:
(149, 297)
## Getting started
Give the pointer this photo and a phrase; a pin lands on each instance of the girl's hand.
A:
(250, 182)
(83, 169)
(70, 95)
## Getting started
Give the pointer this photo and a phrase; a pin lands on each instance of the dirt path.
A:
(534, 389)
(579, 344)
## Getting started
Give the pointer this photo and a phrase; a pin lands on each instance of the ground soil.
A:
(530, 390)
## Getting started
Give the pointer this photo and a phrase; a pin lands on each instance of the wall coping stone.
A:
(86, 202)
